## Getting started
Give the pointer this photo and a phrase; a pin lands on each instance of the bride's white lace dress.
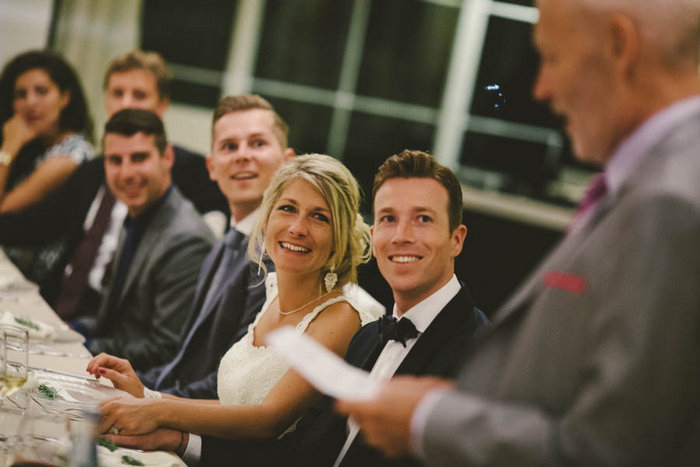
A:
(247, 373)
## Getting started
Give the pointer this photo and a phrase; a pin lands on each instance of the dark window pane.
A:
(519, 2)
(303, 41)
(308, 124)
(372, 139)
(525, 167)
(498, 256)
(190, 33)
(195, 93)
(509, 60)
(407, 51)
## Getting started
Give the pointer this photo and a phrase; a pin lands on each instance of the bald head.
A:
(607, 65)
(670, 29)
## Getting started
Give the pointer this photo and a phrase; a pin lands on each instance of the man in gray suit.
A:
(161, 247)
(595, 360)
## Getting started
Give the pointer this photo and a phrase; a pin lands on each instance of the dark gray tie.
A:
(232, 246)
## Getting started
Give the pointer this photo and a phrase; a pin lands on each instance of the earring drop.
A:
(330, 280)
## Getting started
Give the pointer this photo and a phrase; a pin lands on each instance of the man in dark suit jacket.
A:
(161, 246)
(594, 360)
(134, 80)
(222, 312)
(417, 233)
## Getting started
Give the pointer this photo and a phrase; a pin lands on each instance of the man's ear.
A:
(624, 45)
(371, 235)
(163, 105)
(289, 153)
(169, 156)
(208, 162)
(457, 239)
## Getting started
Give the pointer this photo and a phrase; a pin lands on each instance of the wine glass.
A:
(15, 351)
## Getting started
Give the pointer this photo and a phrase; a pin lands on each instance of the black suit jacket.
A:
(63, 212)
(439, 351)
(211, 331)
(321, 433)
(191, 177)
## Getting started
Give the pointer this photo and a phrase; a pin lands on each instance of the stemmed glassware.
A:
(15, 358)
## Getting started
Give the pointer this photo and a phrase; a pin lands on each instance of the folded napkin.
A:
(155, 458)
(37, 329)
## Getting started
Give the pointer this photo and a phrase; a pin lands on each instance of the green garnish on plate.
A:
(102, 441)
(131, 461)
(27, 323)
(48, 391)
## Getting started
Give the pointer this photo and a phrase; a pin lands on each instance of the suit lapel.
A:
(367, 348)
(209, 268)
(561, 256)
(646, 170)
(235, 268)
(433, 339)
(150, 236)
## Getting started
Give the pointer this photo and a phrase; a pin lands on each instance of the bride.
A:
(311, 230)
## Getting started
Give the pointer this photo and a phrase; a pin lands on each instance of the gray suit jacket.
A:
(158, 290)
(596, 359)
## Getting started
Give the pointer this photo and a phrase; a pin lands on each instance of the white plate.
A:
(74, 392)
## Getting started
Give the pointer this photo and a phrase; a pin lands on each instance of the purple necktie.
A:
(74, 284)
(595, 192)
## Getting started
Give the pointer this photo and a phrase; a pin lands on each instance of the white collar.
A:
(245, 225)
(424, 312)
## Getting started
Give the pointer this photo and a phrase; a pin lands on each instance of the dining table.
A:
(57, 359)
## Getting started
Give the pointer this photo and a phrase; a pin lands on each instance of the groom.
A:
(417, 234)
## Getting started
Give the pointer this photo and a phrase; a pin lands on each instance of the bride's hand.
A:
(128, 416)
(119, 371)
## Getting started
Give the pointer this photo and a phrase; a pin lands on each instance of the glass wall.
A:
(364, 79)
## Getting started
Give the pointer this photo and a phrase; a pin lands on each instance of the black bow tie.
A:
(397, 330)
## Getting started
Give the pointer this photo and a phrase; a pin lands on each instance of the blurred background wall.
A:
(360, 80)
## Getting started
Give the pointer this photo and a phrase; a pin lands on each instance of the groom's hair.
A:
(418, 164)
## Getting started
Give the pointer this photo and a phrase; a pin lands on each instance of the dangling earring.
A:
(330, 279)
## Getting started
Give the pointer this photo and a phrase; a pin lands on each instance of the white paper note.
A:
(322, 368)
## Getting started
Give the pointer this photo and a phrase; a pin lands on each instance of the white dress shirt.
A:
(389, 360)
(108, 244)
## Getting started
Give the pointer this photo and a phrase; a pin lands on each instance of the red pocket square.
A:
(565, 281)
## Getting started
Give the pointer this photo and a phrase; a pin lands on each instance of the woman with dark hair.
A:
(46, 134)
(46, 127)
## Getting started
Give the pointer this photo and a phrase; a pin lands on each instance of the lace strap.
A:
(306, 320)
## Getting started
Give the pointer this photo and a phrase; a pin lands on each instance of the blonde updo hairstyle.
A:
(351, 236)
